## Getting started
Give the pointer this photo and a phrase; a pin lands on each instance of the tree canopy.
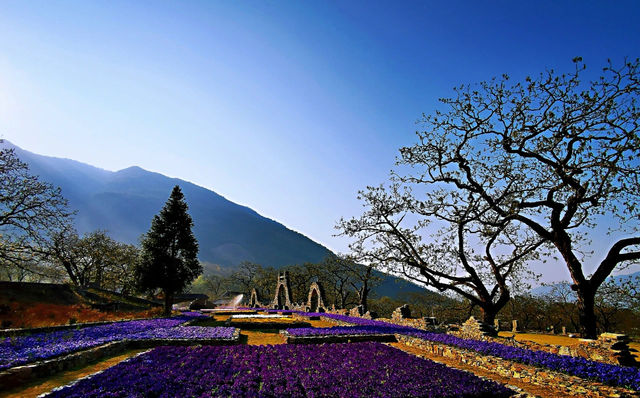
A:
(168, 259)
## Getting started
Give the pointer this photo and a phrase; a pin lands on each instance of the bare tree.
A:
(94, 259)
(549, 154)
(30, 212)
(334, 274)
(450, 260)
(362, 278)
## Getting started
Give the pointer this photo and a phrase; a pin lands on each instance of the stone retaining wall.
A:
(607, 348)
(385, 338)
(539, 376)
(20, 375)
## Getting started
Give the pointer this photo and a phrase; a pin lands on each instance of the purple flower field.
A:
(25, 349)
(622, 376)
(339, 331)
(186, 332)
(327, 370)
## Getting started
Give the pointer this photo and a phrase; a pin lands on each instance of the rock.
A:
(402, 312)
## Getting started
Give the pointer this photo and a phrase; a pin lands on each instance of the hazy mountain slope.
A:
(125, 201)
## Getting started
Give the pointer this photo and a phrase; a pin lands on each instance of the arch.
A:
(254, 302)
(315, 300)
(282, 299)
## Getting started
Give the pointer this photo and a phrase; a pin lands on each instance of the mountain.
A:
(546, 289)
(124, 202)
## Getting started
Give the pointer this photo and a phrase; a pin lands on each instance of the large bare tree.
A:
(442, 244)
(550, 154)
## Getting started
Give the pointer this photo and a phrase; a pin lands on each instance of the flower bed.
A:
(25, 349)
(185, 332)
(614, 375)
(339, 331)
(353, 370)
(338, 334)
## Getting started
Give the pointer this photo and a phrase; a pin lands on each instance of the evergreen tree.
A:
(168, 260)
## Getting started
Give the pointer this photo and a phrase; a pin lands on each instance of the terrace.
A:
(223, 337)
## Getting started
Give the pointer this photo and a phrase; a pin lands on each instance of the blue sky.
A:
(289, 107)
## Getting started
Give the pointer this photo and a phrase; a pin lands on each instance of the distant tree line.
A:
(346, 283)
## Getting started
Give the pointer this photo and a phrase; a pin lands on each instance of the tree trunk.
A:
(489, 314)
(168, 303)
(586, 310)
(364, 294)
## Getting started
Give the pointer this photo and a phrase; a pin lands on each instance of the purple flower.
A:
(344, 370)
(25, 349)
(614, 375)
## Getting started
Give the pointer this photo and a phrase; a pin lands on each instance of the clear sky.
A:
(288, 107)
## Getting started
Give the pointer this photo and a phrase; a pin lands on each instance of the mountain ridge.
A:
(123, 202)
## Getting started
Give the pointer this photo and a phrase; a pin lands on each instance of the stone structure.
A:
(315, 301)
(282, 299)
(514, 326)
(609, 348)
(402, 312)
(357, 311)
(475, 329)
(254, 302)
(616, 348)
(571, 385)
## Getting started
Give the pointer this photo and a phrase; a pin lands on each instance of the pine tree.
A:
(168, 260)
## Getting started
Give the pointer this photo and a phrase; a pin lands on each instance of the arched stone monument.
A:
(282, 299)
(254, 302)
(315, 301)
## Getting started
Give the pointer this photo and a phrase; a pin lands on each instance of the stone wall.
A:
(543, 377)
(475, 329)
(609, 348)
(402, 312)
(21, 375)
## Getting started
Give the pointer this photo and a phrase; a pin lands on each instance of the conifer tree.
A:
(168, 260)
